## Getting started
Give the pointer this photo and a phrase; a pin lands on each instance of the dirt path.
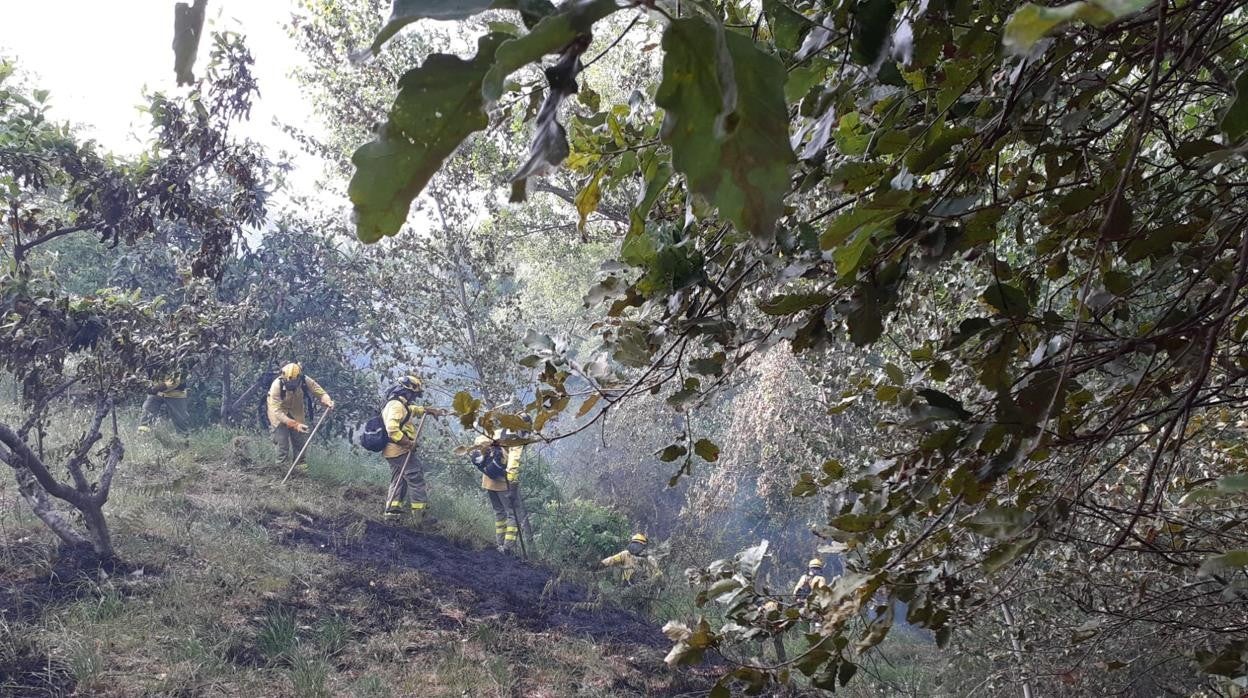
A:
(484, 582)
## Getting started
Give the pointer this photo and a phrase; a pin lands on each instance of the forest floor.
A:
(234, 585)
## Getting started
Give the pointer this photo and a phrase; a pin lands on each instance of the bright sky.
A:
(97, 57)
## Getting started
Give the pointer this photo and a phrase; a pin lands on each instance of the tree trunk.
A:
(1017, 648)
(42, 506)
(238, 403)
(38, 485)
(227, 387)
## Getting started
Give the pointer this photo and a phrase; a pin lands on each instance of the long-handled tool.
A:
(515, 511)
(307, 443)
(394, 484)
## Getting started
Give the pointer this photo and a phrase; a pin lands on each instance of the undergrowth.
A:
(209, 602)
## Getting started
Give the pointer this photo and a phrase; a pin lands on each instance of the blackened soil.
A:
(484, 582)
(26, 672)
(74, 573)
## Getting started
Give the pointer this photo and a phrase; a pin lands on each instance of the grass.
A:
(211, 604)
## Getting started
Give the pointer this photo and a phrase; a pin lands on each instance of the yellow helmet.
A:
(639, 538)
(815, 564)
(291, 371)
(411, 383)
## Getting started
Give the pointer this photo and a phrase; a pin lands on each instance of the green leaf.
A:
(1032, 22)
(853, 523)
(894, 373)
(551, 35)
(940, 400)
(733, 151)
(1233, 484)
(805, 486)
(843, 404)
(791, 303)
(862, 315)
(657, 174)
(1008, 300)
(404, 12)
(940, 142)
(846, 672)
(849, 257)
(1228, 561)
(1005, 553)
(873, 20)
(1235, 119)
(672, 452)
(706, 450)
(711, 366)
(1190, 150)
(538, 341)
(438, 106)
(998, 522)
(464, 403)
(752, 557)
(786, 25)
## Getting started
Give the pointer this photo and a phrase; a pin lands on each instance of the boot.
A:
(394, 512)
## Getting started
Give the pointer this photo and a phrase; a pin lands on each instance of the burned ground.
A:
(485, 583)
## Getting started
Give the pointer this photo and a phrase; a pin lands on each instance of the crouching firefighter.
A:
(489, 457)
(813, 579)
(288, 413)
(401, 415)
(632, 559)
(168, 395)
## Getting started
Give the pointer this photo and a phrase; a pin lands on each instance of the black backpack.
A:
(374, 436)
(489, 460)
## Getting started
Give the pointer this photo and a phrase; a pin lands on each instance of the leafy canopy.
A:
(1033, 213)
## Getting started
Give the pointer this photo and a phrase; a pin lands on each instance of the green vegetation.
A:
(211, 598)
(948, 293)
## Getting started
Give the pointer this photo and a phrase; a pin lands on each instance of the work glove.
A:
(301, 427)
(327, 401)
(406, 442)
(436, 411)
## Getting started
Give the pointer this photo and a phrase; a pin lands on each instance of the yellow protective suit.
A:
(285, 407)
(809, 582)
(630, 564)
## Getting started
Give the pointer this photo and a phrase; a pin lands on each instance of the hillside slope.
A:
(234, 585)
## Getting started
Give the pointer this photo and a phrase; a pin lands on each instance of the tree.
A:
(62, 347)
(1039, 205)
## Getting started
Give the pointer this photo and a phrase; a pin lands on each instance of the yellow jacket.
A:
(631, 563)
(810, 582)
(287, 409)
(393, 414)
(172, 386)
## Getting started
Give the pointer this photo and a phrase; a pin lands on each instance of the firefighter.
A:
(632, 559)
(813, 579)
(168, 395)
(489, 457)
(401, 415)
(287, 413)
